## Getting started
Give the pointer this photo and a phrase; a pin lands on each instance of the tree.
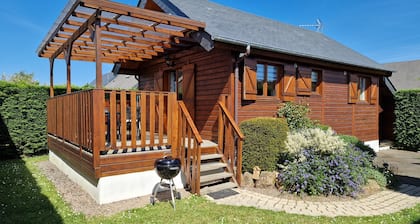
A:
(21, 78)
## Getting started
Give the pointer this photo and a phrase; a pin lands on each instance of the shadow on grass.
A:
(7, 147)
(21, 198)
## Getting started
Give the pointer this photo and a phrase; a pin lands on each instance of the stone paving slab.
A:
(384, 202)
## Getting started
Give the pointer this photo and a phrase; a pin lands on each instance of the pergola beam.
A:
(79, 32)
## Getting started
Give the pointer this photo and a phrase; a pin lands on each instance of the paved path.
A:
(404, 164)
(384, 202)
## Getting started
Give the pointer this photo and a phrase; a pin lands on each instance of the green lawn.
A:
(26, 196)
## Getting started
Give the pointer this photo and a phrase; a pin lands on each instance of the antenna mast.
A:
(319, 25)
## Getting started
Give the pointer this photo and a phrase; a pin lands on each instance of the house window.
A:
(316, 80)
(362, 89)
(267, 80)
(175, 83)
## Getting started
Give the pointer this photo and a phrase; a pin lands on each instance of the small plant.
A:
(354, 141)
(296, 116)
(264, 140)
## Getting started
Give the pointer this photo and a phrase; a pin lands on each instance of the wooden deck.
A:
(103, 133)
(86, 126)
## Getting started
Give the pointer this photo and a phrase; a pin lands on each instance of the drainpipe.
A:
(236, 89)
(241, 56)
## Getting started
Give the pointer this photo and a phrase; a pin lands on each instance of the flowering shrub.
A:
(339, 173)
(324, 142)
(296, 116)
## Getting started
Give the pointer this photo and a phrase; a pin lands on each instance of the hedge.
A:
(264, 141)
(407, 119)
(23, 118)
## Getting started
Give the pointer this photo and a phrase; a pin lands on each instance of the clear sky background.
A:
(384, 30)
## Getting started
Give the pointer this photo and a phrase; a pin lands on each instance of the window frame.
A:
(355, 92)
(318, 87)
(265, 65)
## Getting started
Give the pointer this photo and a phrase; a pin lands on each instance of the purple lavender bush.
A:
(314, 170)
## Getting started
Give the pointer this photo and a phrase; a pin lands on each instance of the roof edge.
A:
(278, 50)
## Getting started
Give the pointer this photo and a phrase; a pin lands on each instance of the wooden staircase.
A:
(209, 167)
(214, 174)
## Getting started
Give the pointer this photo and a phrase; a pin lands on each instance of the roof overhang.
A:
(127, 33)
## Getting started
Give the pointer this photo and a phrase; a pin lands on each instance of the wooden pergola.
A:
(102, 31)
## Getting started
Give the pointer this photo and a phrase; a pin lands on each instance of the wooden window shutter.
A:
(374, 90)
(159, 81)
(304, 81)
(188, 88)
(353, 88)
(289, 83)
(249, 81)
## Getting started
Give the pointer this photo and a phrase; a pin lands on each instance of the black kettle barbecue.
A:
(167, 168)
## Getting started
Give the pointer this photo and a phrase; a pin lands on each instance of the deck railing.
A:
(189, 148)
(230, 140)
(95, 121)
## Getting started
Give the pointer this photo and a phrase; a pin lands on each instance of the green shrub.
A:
(353, 140)
(23, 118)
(324, 142)
(407, 119)
(376, 175)
(296, 116)
(264, 141)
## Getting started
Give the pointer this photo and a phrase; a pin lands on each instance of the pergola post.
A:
(52, 77)
(67, 55)
(98, 46)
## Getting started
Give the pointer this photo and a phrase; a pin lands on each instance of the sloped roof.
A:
(237, 27)
(406, 74)
(120, 81)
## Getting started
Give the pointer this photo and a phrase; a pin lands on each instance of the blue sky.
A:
(384, 30)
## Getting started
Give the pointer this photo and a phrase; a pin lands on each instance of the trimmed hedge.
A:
(23, 118)
(264, 141)
(407, 119)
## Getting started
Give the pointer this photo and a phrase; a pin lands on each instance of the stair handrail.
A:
(189, 148)
(227, 125)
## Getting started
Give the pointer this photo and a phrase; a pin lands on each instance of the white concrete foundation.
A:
(114, 188)
(374, 144)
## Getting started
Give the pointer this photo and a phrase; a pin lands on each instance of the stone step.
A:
(214, 177)
(218, 187)
(212, 166)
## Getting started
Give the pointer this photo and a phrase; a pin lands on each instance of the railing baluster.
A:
(123, 122)
(134, 119)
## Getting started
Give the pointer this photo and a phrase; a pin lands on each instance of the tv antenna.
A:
(319, 25)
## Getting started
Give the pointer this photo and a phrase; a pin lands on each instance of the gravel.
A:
(82, 202)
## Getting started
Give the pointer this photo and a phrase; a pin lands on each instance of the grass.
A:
(27, 196)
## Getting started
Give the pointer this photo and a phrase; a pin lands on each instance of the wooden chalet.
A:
(201, 69)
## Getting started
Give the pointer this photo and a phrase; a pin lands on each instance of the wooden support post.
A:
(52, 77)
(98, 126)
(98, 46)
(67, 56)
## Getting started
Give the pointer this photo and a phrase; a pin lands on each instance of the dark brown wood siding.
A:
(331, 107)
(212, 79)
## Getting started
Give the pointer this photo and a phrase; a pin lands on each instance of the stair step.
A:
(210, 156)
(212, 166)
(214, 177)
(218, 187)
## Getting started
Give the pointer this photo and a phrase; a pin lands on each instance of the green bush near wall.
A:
(407, 119)
(23, 118)
(264, 141)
